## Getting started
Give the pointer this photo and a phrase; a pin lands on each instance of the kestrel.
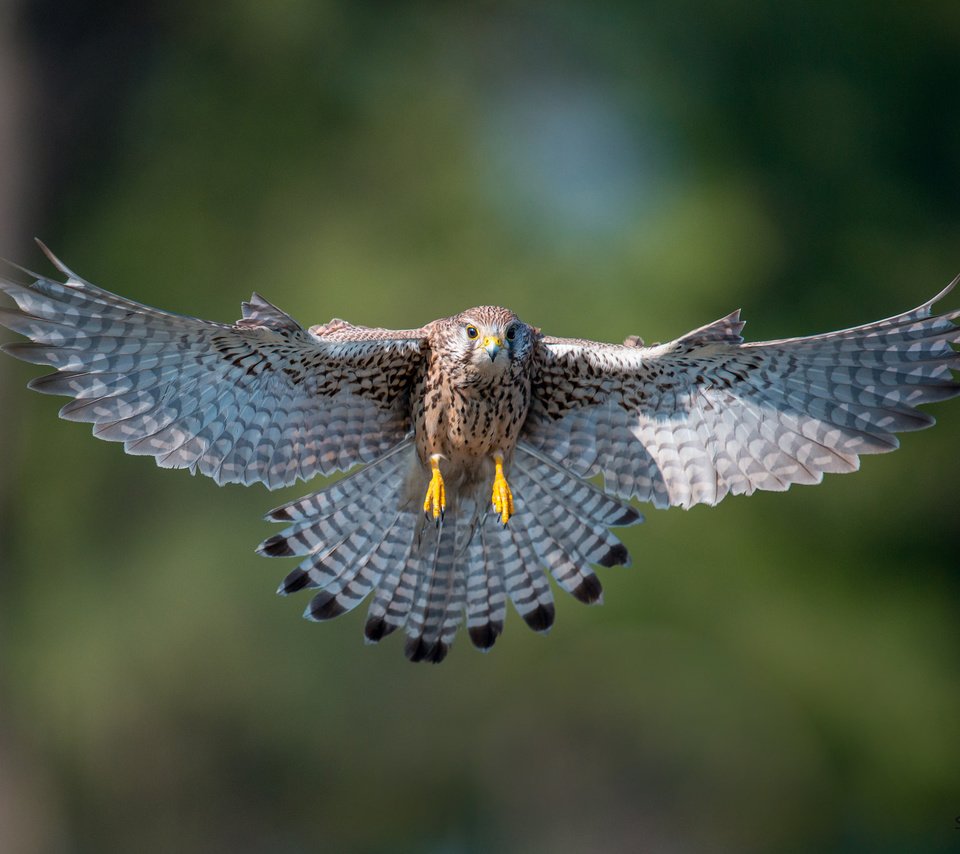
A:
(473, 437)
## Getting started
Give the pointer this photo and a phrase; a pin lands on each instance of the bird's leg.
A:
(502, 497)
(436, 499)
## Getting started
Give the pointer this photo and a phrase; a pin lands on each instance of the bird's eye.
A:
(473, 333)
(511, 333)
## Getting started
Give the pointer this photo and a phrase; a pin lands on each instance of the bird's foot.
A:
(502, 497)
(436, 499)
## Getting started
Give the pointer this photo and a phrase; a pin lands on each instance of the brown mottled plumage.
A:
(466, 405)
(469, 415)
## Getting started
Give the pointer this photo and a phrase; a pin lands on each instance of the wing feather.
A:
(707, 415)
(261, 400)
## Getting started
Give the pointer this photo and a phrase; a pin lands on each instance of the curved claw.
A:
(502, 497)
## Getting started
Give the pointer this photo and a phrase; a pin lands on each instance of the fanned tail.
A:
(357, 538)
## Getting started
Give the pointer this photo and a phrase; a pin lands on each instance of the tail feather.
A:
(526, 585)
(394, 598)
(577, 495)
(427, 579)
(587, 541)
(326, 502)
(325, 520)
(453, 615)
(436, 595)
(309, 538)
(486, 597)
(351, 586)
(576, 577)
(339, 562)
(318, 569)
(337, 532)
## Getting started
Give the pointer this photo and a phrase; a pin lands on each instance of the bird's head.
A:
(487, 339)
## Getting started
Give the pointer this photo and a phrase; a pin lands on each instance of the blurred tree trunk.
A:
(26, 810)
(15, 167)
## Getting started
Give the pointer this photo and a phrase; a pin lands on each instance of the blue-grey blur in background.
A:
(777, 674)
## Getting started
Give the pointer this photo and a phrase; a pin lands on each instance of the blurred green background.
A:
(778, 674)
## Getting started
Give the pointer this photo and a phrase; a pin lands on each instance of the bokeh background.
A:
(777, 674)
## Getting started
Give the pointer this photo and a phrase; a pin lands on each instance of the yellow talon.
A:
(436, 498)
(502, 497)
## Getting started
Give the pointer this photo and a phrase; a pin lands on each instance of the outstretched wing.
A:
(707, 415)
(262, 400)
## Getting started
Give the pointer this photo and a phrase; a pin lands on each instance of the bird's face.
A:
(488, 339)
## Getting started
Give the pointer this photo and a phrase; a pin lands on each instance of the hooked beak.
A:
(492, 345)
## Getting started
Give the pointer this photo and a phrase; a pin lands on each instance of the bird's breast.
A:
(468, 423)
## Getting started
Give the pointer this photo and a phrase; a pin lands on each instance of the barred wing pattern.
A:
(707, 415)
(262, 400)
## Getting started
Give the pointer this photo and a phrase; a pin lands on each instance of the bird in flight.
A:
(472, 438)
